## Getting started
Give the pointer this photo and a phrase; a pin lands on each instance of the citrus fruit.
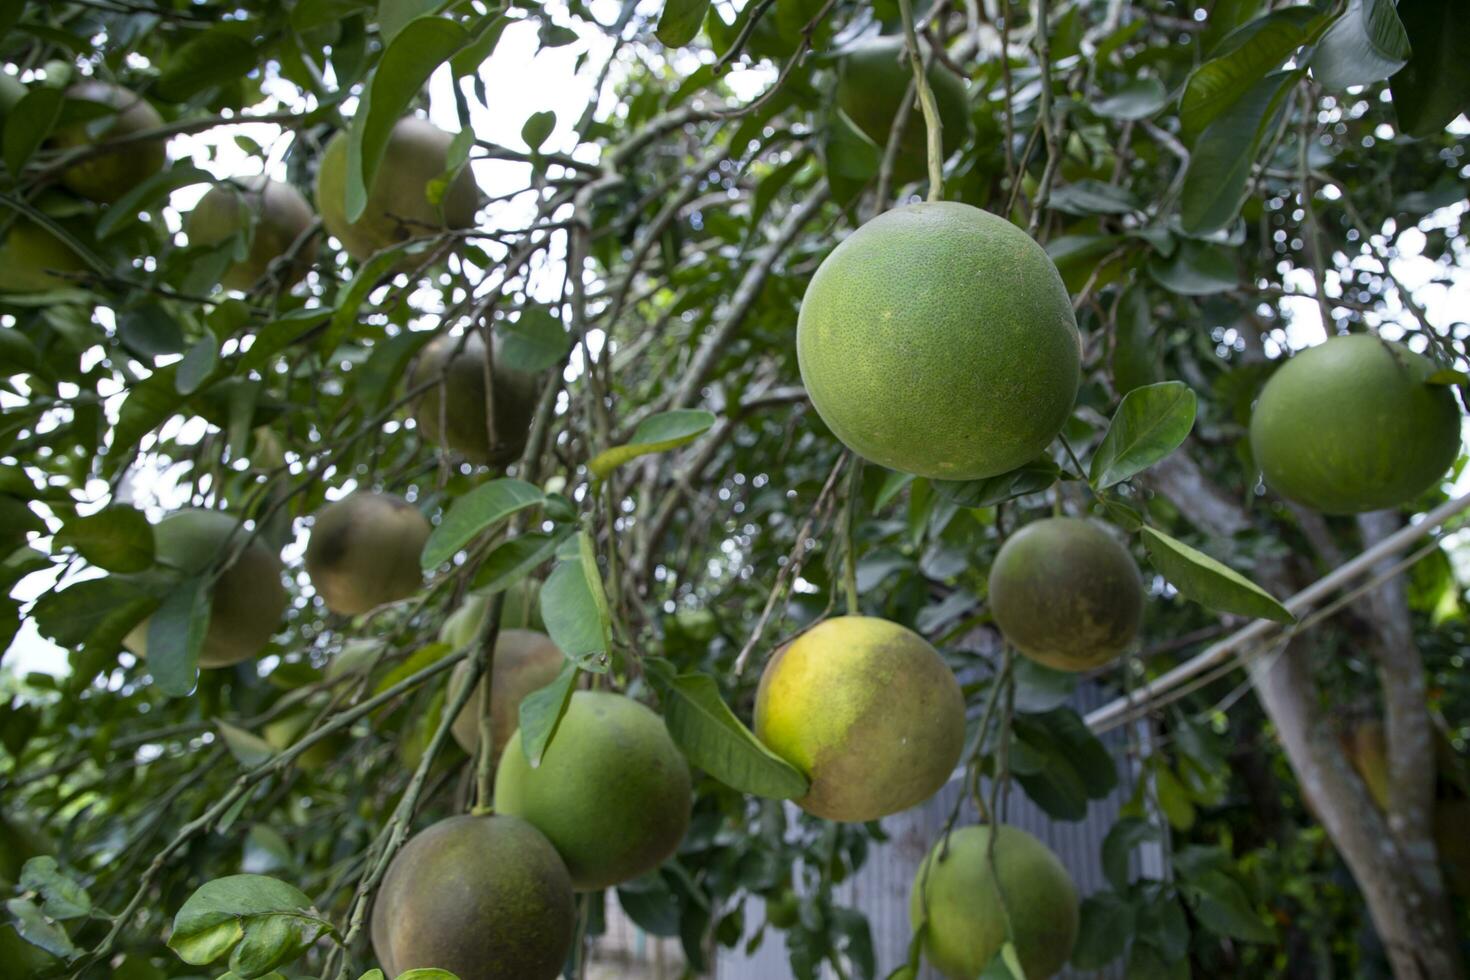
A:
(398, 206)
(1351, 425)
(452, 412)
(280, 213)
(1066, 594)
(524, 662)
(484, 897)
(868, 711)
(110, 175)
(938, 339)
(364, 551)
(966, 926)
(612, 792)
(247, 599)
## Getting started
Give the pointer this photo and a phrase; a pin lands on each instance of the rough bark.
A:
(1409, 917)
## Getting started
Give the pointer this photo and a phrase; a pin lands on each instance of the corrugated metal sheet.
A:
(881, 888)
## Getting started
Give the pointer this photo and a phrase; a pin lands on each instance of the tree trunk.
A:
(1411, 917)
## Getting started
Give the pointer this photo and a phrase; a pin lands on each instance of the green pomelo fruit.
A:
(872, 79)
(1066, 594)
(521, 610)
(938, 339)
(107, 177)
(868, 711)
(364, 551)
(248, 598)
(452, 413)
(280, 214)
(612, 791)
(287, 730)
(962, 905)
(485, 898)
(524, 662)
(1351, 426)
(398, 206)
(31, 256)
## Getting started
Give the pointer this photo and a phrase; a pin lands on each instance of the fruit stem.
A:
(933, 127)
(849, 552)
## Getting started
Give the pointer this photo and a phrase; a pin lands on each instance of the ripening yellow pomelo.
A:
(398, 206)
(525, 661)
(364, 551)
(1066, 594)
(873, 77)
(484, 897)
(868, 711)
(452, 412)
(281, 214)
(248, 598)
(938, 339)
(612, 793)
(107, 177)
(1352, 425)
(966, 926)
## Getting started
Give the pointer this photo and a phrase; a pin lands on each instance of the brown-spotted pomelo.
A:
(938, 339)
(1066, 594)
(248, 598)
(278, 213)
(525, 661)
(1353, 425)
(108, 176)
(484, 897)
(960, 899)
(364, 551)
(868, 711)
(398, 206)
(612, 792)
(873, 77)
(452, 411)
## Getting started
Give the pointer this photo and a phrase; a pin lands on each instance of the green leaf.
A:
(574, 608)
(1221, 905)
(533, 342)
(455, 161)
(1365, 44)
(512, 560)
(1434, 87)
(96, 613)
(1196, 269)
(708, 732)
(1220, 164)
(656, 434)
(395, 15)
(261, 921)
(32, 926)
(117, 538)
(1199, 577)
(1241, 63)
(470, 515)
(409, 59)
(28, 124)
(61, 897)
(680, 20)
(1138, 98)
(1102, 934)
(1135, 358)
(426, 973)
(176, 635)
(373, 974)
(541, 712)
(1151, 423)
(1173, 800)
(1089, 196)
(249, 749)
(198, 364)
(217, 56)
(279, 334)
(368, 276)
(537, 129)
(1034, 477)
(1064, 763)
(154, 190)
(146, 406)
(1118, 847)
(424, 656)
(150, 330)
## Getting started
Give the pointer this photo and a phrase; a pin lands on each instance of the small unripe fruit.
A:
(364, 551)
